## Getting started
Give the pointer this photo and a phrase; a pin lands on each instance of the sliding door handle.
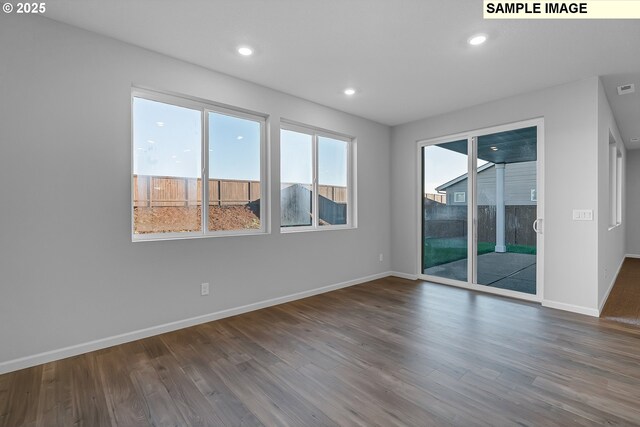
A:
(536, 225)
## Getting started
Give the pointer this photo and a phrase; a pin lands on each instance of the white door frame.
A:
(471, 136)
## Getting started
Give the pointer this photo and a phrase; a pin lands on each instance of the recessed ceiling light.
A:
(494, 148)
(240, 137)
(160, 124)
(476, 40)
(151, 141)
(349, 91)
(245, 51)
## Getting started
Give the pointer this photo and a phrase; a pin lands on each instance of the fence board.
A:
(176, 191)
(449, 221)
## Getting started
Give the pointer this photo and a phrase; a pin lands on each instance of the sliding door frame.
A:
(472, 209)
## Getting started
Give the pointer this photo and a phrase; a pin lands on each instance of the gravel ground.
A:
(182, 218)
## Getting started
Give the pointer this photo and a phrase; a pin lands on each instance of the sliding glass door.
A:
(445, 232)
(479, 209)
(506, 189)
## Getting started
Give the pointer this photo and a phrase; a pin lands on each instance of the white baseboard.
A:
(570, 307)
(404, 275)
(613, 282)
(74, 350)
(632, 256)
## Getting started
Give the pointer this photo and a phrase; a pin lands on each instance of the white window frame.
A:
(205, 107)
(315, 133)
(459, 193)
(619, 182)
(615, 183)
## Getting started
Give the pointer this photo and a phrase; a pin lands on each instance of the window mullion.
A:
(205, 173)
(315, 208)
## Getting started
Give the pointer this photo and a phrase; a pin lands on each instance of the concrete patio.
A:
(505, 270)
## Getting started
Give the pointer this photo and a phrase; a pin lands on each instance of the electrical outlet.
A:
(381, 258)
(204, 289)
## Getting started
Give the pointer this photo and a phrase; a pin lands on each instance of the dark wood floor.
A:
(623, 304)
(387, 353)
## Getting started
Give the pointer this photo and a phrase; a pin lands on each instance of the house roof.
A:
(463, 177)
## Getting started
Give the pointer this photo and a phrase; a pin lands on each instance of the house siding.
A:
(520, 179)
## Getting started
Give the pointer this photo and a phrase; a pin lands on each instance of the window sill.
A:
(137, 238)
(293, 230)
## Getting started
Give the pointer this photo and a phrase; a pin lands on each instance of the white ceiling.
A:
(408, 59)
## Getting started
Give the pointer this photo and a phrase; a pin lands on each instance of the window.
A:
(315, 179)
(177, 142)
(615, 183)
(534, 195)
(459, 197)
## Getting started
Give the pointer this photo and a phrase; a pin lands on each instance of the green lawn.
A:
(444, 250)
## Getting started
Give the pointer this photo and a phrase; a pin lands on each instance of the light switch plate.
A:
(583, 215)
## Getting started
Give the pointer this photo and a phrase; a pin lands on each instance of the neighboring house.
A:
(519, 179)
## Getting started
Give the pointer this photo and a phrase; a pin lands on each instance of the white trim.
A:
(540, 197)
(404, 275)
(305, 229)
(570, 307)
(472, 211)
(471, 137)
(205, 108)
(74, 350)
(317, 133)
(613, 282)
(632, 256)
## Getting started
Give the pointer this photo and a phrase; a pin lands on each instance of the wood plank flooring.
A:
(623, 304)
(390, 352)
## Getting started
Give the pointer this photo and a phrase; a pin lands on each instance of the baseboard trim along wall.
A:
(404, 275)
(632, 256)
(570, 307)
(74, 350)
(613, 282)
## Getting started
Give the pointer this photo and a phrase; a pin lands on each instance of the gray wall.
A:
(571, 182)
(69, 271)
(633, 202)
(611, 242)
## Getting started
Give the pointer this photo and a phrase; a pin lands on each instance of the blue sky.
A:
(442, 165)
(166, 142)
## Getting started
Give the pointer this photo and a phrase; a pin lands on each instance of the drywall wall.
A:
(571, 182)
(633, 203)
(70, 273)
(611, 241)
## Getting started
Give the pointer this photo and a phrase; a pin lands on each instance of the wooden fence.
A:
(447, 221)
(152, 191)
